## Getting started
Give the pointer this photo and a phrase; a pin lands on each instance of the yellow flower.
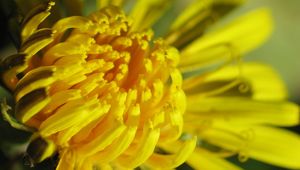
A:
(100, 92)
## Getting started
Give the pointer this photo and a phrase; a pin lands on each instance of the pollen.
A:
(104, 94)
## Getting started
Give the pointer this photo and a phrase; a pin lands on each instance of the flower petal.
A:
(67, 160)
(103, 136)
(196, 18)
(33, 19)
(144, 148)
(275, 146)
(242, 111)
(204, 160)
(68, 115)
(146, 12)
(159, 161)
(201, 159)
(96, 113)
(259, 81)
(117, 147)
(243, 35)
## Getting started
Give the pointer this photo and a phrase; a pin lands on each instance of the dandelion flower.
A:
(101, 92)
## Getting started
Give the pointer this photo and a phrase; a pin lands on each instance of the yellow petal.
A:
(159, 161)
(67, 116)
(95, 113)
(173, 125)
(193, 9)
(36, 42)
(60, 98)
(103, 166)
(242, 111)
(218, 53)
(85, 164)
(33, 44)
(78, 23)
(104, 135)
(49, 151)
(143, 149)
(38, 78)
(75, 45)
(117, 147)
(9, 69)
(201, 159)
(196, 19)
(272, 145)
(146, 12)
(243, 35)
(255, 80)
(34, 18)
(31, 104)
(204, 160)
(67, 161)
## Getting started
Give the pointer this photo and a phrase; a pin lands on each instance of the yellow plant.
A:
(102, 93)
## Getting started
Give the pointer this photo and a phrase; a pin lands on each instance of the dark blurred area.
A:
(4, 36)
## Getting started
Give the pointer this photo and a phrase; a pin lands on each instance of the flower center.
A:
(96, 88)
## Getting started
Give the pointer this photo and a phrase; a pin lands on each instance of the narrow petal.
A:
(33, 19)
(74, 22)
(243, 35)
(146, 12)
(242, 111)
(67, 161)
(31, 104)
(204, 160)
(94, 114)
(201, 159)
(67, 116)
(254, 80)
(33, 44)
(103, 136)
(159, 161)
(104, 166)
(41, 77)
(144, 148)
(272, 145)
(60, 98)
(196, 18)
(190, 11)
(117, 147)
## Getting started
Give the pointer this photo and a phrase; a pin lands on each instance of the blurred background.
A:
(282, 51)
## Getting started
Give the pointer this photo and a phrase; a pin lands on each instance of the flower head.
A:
(102, 93)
